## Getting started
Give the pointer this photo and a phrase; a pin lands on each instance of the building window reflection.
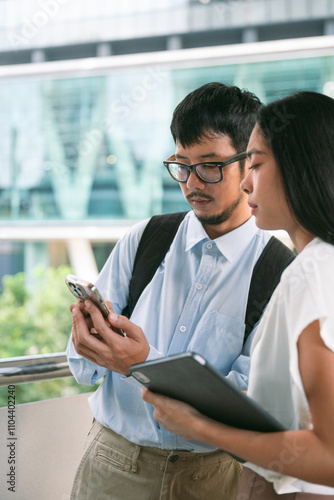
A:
(76, 149)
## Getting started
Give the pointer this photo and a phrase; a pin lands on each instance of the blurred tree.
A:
(37, 321)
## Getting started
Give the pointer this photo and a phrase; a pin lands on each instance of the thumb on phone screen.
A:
(117, 330)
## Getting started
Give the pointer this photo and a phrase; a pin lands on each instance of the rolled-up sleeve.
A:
(84, 371)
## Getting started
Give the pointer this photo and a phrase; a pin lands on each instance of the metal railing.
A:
(26, 369)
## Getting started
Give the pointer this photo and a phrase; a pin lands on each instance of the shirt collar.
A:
(195, 231)
(231, 245)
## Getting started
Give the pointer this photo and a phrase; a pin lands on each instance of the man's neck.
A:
(238, 218)
(216, 231)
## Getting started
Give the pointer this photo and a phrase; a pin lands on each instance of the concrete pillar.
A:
(174, 43)
(82, 259)
(103, 50)
(249, 35)
(37, 56)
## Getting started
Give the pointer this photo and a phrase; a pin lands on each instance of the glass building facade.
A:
(88, 150)
(80, 149)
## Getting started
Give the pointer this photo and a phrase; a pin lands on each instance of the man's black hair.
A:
(215, 108)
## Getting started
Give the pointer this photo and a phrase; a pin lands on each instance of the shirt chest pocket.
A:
(219, 339)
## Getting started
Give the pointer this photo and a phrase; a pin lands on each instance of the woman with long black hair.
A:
(290, 186)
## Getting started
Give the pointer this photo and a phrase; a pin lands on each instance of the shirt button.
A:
(174, 458)
(209, 246)
(183, 328)
(199, 286)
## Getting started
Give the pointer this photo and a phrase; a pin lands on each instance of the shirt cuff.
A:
(84, 371)
(154, 354)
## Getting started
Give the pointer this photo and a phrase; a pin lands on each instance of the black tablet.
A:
(189, 377)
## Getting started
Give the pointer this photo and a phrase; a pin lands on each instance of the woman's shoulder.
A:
(317, 257)
(307, 280)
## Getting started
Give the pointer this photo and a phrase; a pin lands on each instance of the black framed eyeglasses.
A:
(210, 172)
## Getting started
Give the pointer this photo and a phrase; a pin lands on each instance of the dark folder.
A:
(189, 377)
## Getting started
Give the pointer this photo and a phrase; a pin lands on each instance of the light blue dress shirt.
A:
(196, 301)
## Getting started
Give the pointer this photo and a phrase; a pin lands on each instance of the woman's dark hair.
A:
(212, 109)
(299, 130)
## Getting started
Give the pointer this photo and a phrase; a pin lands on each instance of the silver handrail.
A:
(25, 369)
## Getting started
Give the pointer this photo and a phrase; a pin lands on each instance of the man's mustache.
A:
(191, 196)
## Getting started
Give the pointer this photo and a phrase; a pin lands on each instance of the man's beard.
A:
(215, 220)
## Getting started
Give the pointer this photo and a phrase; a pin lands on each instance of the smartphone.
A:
(84, 290)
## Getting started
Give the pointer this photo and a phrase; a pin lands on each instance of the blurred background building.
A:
(87, 91)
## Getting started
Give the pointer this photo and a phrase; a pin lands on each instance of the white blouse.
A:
(305, 294)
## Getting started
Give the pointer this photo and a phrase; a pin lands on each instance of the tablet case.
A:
(189, 377)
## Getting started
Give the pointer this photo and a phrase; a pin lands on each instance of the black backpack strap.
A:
(274, 258)
(153, 246)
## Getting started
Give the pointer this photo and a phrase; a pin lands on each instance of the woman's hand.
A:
(175, 416)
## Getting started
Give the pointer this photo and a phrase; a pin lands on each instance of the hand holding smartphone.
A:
(84, 290)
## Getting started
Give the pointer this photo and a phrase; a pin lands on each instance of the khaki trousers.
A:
(255, 487)
(113, 468)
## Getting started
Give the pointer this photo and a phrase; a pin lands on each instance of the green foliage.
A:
(37, 320)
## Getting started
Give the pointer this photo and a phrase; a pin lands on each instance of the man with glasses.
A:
(196, 301)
